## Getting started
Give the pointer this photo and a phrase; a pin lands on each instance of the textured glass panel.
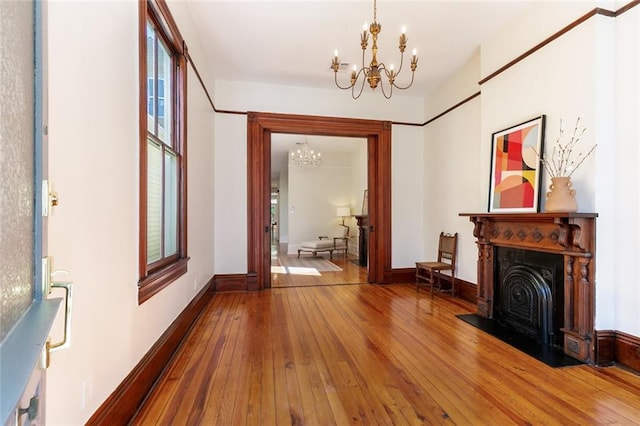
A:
(170, 203)
(16, 162)
(154, 202)
(164, 94)
(151, 66)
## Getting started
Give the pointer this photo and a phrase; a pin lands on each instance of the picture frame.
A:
(516, 167)
(365, 203)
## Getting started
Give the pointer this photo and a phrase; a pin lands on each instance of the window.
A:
(163, 256)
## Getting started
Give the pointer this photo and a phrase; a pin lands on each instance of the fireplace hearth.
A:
(536, 275)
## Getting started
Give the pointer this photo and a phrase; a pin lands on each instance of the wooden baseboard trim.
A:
(628, 351)
(400, 275)
(467, 291)
(616, 347)
(231, 282)
(120, 407)
(605, 347)
(464, 289)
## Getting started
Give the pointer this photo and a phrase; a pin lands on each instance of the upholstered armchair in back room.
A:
(324, 243)
(339, 239)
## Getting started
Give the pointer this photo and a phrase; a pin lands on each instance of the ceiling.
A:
(292, 42)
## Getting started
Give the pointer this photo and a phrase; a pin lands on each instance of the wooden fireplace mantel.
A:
(571, 235)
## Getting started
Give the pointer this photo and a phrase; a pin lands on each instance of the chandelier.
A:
(305, 156)
(374, 72)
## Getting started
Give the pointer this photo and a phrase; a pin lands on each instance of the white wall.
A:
(407, 199)
(452, 167)
(339, 174)
(359, 171)
(230, 186)
(93, 234)
(451, 184)
(242, 96)
(626, 191)
(231, 152)
(283, 224)
(314, 195)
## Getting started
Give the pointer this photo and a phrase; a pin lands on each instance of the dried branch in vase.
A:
(564, 159)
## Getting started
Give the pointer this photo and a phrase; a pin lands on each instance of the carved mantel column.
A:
(363, 222)
(571, 235)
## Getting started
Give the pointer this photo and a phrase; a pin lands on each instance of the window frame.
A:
(155, 276)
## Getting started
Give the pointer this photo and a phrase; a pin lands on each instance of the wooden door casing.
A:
(260, 126)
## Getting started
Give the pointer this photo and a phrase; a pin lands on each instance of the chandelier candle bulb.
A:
(414, 60)
(403, 39)
(364, 40)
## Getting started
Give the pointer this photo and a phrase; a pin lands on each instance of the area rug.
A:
(308, 265)
(551, 356)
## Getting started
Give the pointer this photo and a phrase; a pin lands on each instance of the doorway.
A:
(274, 212)
(320, 181)
(260, 126)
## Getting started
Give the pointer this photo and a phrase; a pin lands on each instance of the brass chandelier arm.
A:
(407, 86)
(335, 73)
(391, 77)
(399, 70)
(385, 93)
(353, 88)
(355, 76)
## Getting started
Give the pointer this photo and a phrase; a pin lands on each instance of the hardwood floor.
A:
(351, 272)
(369, 354)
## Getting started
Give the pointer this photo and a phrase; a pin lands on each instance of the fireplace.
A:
(536, 276)
(529, 293)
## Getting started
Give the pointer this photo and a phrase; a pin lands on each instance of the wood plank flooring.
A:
(369, 354)
(351, 272)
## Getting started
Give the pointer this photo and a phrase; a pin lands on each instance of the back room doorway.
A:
(318, 199)
(260, 128)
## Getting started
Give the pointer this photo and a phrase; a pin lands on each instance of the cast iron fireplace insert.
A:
(529, 293)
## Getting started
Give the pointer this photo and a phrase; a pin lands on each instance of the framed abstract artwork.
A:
(516, 169)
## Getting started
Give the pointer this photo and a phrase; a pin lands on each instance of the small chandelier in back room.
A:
(305, 156)
(374, 72)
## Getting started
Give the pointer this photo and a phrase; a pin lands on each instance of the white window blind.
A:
(154, 202)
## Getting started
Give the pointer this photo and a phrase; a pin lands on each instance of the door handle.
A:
(47, 285)
(66, 338)
(370, 228)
